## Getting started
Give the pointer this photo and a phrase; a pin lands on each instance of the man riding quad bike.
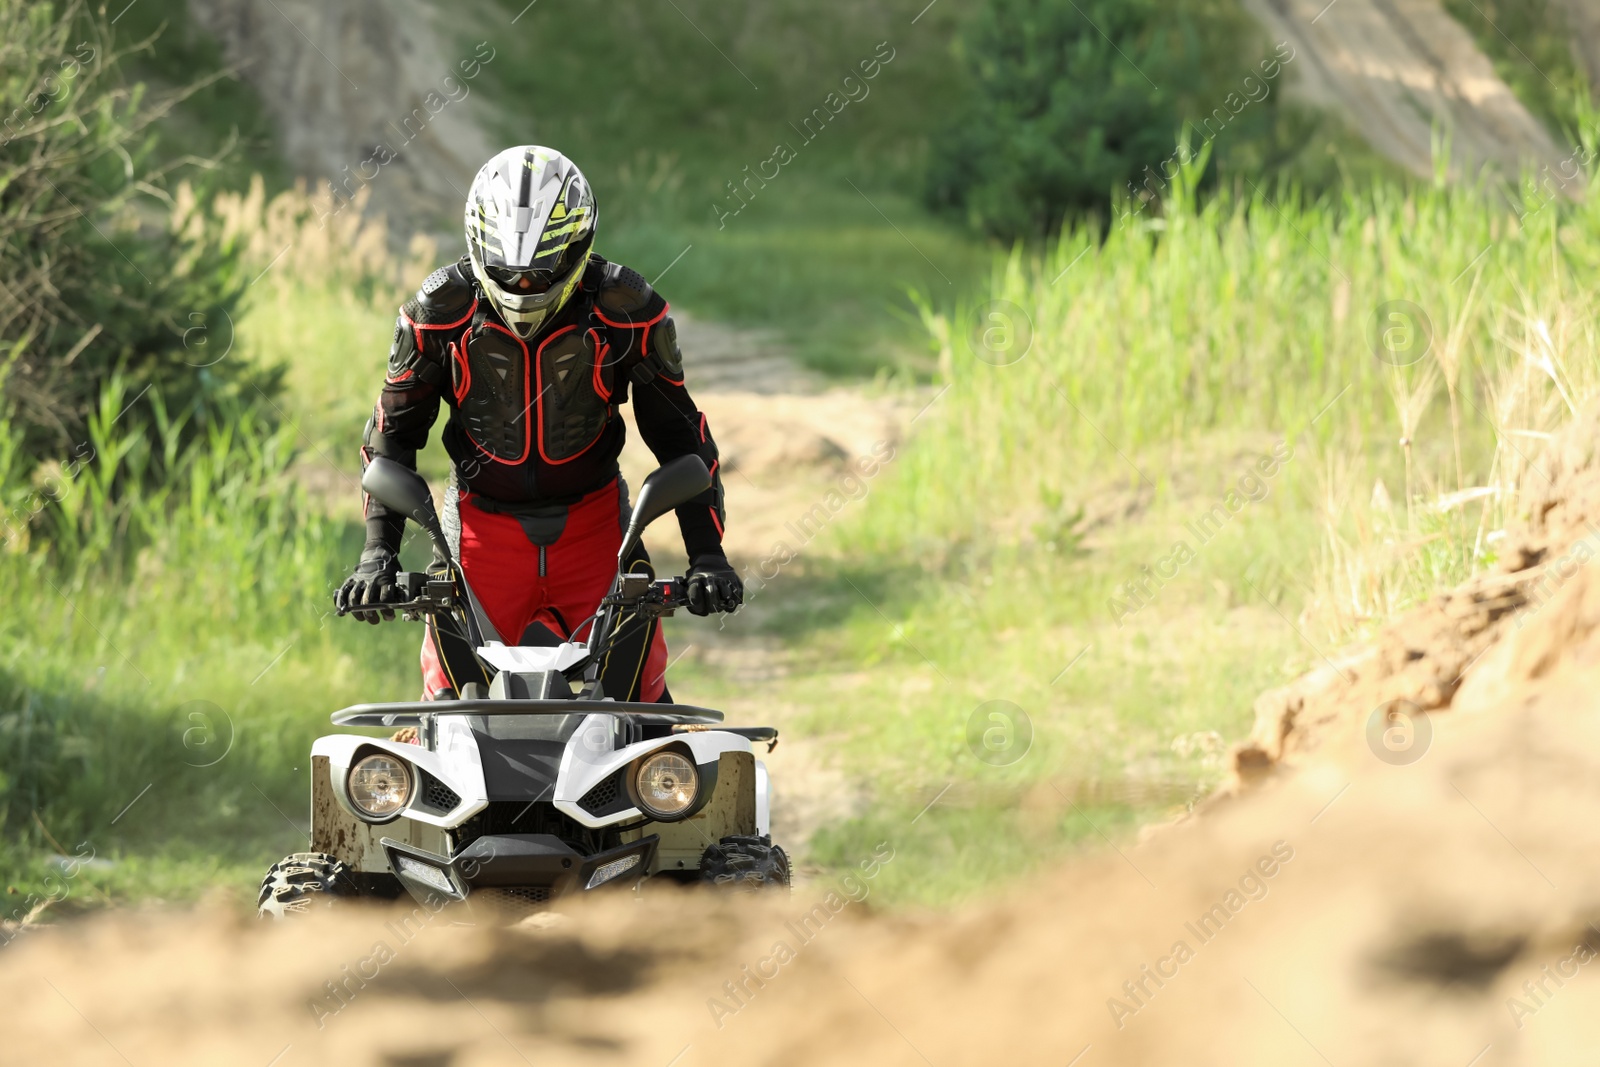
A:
(534, 342)
(545, 756)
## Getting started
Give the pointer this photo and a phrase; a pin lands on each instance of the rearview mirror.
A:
(668, 486)
(399, 488)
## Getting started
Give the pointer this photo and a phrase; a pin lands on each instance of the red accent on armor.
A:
(396, 381)
(538, 403)
(702, 427)
(601, 351)
(716, 521)
(631, 325)
(458, 352)
(526, 425)
(443, 325)
(417, 327)
(714, 465)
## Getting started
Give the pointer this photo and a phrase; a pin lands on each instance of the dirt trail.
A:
(1397, 68)
(1583, 21)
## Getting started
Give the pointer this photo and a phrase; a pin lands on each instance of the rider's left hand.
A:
(713, 585)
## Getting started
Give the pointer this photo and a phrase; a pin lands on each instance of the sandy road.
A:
(1399, 69)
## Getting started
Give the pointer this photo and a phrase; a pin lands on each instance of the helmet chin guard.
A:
(530, 223)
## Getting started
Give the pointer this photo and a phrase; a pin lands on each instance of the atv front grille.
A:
(539, 817)
(607, 798)
(436, 795)
(512, 903)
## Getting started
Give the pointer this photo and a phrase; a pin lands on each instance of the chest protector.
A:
(512, 399)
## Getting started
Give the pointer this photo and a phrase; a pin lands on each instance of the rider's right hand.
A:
(371, 584)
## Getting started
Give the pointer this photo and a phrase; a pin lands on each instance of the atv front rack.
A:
(410, 713)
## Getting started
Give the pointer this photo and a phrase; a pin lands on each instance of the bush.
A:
(97, 282)
(1074, 99)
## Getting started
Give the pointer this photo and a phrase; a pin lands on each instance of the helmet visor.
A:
(525, 310)
(523, 282)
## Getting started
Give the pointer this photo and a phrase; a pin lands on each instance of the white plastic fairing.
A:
(763, 799)
(590, 759)
(456, 763)
(523, 658)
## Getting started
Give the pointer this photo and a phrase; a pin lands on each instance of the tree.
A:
(93, 282)
(1073, 98)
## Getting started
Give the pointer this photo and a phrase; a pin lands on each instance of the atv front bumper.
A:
(526, 869)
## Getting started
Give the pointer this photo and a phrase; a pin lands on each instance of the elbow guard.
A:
(378, 443)
(662, 356)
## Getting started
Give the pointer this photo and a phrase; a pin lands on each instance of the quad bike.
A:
(523, 791)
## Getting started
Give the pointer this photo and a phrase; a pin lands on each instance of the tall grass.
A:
(1253, 311)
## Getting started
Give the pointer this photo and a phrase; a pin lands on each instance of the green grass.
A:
(899, 663)
(159, 696)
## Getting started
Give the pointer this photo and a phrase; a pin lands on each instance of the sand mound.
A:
(1472, 649)
(1398, 70)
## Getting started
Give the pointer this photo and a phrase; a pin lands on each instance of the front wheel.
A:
(745, 863)
(297, 883)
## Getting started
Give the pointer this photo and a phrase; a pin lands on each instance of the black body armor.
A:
(537, 423)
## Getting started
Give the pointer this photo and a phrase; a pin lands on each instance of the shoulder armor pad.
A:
(624, 294)
(444, 296)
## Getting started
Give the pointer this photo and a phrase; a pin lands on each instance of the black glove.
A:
(713, 585)
(372, 583)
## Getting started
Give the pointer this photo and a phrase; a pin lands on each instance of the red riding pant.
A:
(558, 585)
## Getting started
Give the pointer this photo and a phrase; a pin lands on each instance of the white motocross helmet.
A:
(530, 223)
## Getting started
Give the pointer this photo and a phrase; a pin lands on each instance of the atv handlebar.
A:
(425, 594)
(645, 594)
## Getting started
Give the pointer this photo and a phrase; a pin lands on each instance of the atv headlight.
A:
(666, 785)
(379, 786)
